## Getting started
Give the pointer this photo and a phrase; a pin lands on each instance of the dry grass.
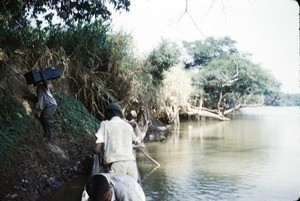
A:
(176, 91)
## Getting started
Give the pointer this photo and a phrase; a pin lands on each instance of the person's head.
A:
(131, 115)
(113, 109)
(50, 85)
(98, 188)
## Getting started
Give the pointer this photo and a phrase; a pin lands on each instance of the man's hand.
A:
(136, 145)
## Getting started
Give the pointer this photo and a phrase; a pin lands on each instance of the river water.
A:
(253, 157)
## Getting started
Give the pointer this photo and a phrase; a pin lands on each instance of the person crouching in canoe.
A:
(112, 187)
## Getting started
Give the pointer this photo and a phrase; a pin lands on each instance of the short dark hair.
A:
(98, 188)
(110, 113)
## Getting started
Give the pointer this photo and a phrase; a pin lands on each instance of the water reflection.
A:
(253, 157)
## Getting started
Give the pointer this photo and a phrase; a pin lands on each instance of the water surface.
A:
(255, 156)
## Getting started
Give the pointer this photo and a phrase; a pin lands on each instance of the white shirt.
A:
(117, 136)
(45, 98)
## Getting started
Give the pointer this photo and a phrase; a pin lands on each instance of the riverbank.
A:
(31, 176)
(31, 167)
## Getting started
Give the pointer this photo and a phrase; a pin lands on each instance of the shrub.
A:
(73, 117)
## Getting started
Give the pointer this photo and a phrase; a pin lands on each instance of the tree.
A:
(16, 18)
(67, 10)
(229, 82)
(205, 51)
(160, 59)
(226, 79)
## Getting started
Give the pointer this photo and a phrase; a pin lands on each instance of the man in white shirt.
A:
(116, 137)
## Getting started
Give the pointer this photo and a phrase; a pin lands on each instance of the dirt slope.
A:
(34, 167)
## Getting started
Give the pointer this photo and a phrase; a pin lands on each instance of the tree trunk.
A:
(203, 112)
(220, 101)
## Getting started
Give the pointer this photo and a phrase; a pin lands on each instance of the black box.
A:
(34, 76)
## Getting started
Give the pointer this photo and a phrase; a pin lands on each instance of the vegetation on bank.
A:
(14, 124)
(287, 99)
(29, 166)
(72, 118)
(100, 66)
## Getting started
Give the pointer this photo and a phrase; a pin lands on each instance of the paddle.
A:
(148, 156)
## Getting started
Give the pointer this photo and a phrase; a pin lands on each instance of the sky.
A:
(268, 29)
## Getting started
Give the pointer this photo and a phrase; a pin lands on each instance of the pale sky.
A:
(268, 29)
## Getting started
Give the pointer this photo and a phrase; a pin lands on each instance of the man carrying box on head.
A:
(47, 105)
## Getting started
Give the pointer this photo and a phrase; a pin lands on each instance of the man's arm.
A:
(98, 148)
(45, 81)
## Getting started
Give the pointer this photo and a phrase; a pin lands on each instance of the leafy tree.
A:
(66, 10)
(166, 55)
(16, 18)
(228, 79)
(232, 81)
(205, 51)
(89, 43)
(285, 100)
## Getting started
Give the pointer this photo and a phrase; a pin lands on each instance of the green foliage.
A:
(289, 99)
(91, 60)
(166, 55)
(122, 55)
(204, 52)
(225, 77)
(237, 80)
(14, 122)
(16, 17)
(20, 38)
(72, 117)
(68, 12)
(88, 43)
(97, 64)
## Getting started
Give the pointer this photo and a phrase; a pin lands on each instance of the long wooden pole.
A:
(149, 157)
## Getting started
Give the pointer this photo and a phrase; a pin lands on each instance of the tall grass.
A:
(98, 66)
(176, 91)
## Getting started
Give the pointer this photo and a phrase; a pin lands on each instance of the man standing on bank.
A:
(47, 105)
(116, 137)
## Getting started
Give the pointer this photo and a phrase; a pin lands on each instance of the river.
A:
(255, 156)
